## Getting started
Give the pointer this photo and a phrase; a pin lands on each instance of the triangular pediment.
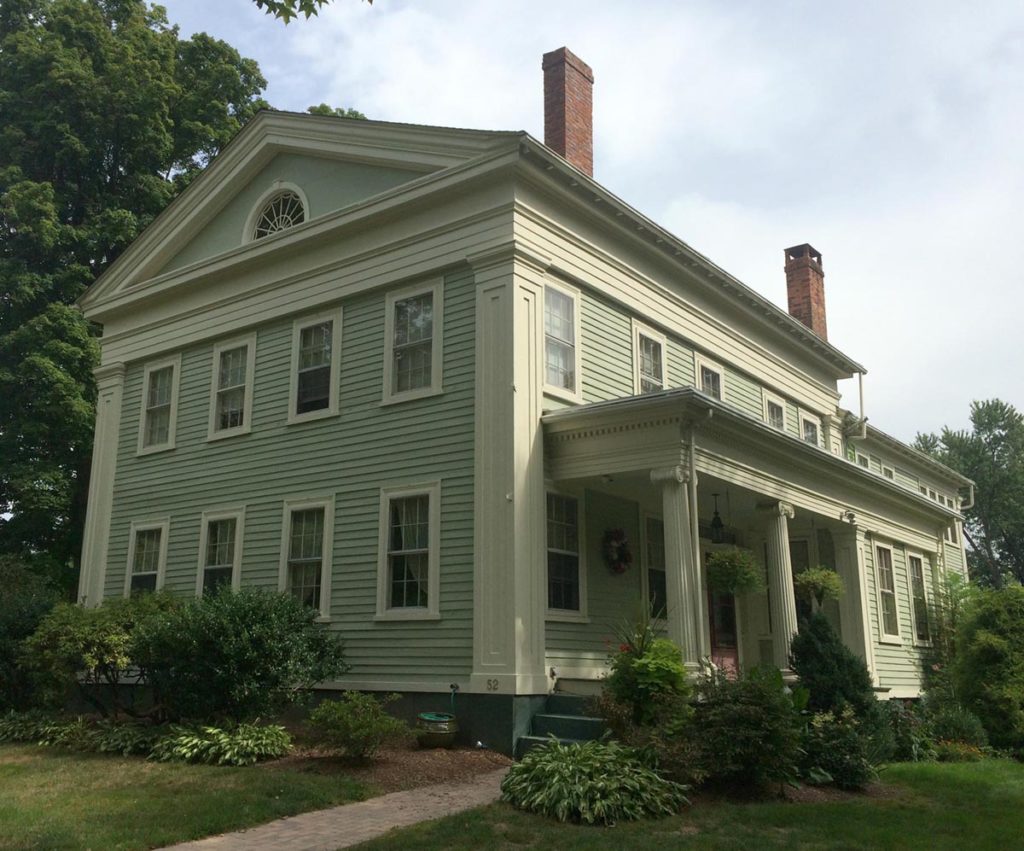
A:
(331, 163)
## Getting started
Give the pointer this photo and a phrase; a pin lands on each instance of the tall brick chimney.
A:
(569, 108)
(805, 286)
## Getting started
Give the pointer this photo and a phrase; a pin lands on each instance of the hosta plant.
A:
(245, 744)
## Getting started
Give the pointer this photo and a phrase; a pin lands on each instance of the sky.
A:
(890, 136)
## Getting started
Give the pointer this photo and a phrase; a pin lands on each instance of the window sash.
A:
(146, 559)
(652, 366)
(232, 368)
(563, 559)
(409, 551)
(305, 554)
(413, 342)
(313, 391)
(809, 431)
(776, 415)
(887, 592)
(560, 339)
(710, 381)
(159, 397)
(922, 628)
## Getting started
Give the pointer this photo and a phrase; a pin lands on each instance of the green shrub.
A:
(747, 729)
(234, 656)
(950, 723)
(24, 727)
(646, 675)
(26, 597)
(126, 739)
(590, 782)
(834, 751)
(911, 736)
(79, 648)
(988, 671)
(245, 744)
(832, 674)
(735, 571)
(356, 725)
(958, 752)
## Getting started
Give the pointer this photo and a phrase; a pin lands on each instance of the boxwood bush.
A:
(355, 725)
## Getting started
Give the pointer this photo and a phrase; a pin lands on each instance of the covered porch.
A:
(679, 476)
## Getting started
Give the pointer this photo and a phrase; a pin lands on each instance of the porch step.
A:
(568, 704)
(578, 687)
(528, 743)
(579, 727)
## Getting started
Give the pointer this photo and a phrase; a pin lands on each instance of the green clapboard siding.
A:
(349, 456)
(897, 664)
(680, 364)
(607, 355)
(743, 393)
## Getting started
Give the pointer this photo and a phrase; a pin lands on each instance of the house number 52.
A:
(492, 685)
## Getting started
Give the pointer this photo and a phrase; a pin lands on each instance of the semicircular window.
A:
(282, 211)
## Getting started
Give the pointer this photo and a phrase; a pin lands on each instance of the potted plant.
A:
(817, 583)
(734, 570)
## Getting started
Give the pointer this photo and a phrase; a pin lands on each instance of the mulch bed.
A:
(399, 768)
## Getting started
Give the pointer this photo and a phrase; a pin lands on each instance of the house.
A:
(442, 385)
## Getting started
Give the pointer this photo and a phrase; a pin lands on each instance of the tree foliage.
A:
(992, 454)
(285, 10)
(105, 113)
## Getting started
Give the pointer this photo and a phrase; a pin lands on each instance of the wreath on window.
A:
(617, 554)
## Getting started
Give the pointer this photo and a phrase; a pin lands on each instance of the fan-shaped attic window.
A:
(283, 210)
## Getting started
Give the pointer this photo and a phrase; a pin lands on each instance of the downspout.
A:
(862, 424)
(970, 500)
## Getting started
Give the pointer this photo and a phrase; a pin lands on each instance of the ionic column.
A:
(682, 579)
(110, 385)
(780, 580)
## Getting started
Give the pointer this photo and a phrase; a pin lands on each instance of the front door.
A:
(724, 640)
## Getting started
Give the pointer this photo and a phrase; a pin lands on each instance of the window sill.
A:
(411, 396)
(214, 436)
(322, 619)
(563, 395)
(400, 616)
(892, 640)
(564, 616)
(312, 416)
(153, 450)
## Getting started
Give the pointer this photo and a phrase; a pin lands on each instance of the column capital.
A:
(677, 474)
(777, 508)
(109, 373)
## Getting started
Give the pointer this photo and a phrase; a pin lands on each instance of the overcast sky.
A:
(888, 135)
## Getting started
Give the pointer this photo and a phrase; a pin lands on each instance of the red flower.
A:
(625, 648)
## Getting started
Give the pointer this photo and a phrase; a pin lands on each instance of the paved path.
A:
(350, 824)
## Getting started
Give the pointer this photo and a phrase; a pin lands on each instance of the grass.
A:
(934, 806)
(55, 799)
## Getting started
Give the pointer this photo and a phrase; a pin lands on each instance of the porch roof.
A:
(688, 405)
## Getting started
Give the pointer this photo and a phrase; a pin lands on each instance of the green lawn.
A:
(972, 805)
(52, 799)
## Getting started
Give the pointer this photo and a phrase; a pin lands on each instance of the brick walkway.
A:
(350, 824)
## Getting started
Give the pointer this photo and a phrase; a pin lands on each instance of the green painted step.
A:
(568, 704)
(580, 727)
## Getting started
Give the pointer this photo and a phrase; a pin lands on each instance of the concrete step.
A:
(528, 743)
(581, 727)
(568, 704)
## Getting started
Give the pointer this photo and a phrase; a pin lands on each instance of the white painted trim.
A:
(335, 315)
(173, 361)
(891, 470)
(926, 566)
(569, 615)
(766, 397)
(807, 417)
(164, 525)
(703, 361)
(574, 396)
(278, 187)
(867, 459)
(883, 636)
(326, 564)
(432, 490)
(642, 330)
(436, 288)
(236, 514)
(249, 341)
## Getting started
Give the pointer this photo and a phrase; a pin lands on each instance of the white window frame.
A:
(249, 341)
(766, 397)
(436, 289)
(569, 615)
(575, 395)
(335, 316)
(867, 460)
(641, 330)
(208, 517)
(172, 422)
(164, 525)
(887, 470)
(645, 586)
(278, 187)
(432, 611)
(808, 417)
(886, 637)
(702, 361)
(292, 505)
(925, 568)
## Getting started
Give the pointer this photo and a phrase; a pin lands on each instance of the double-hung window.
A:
(563, 542)
(654, 558)
(413, 356)
(147, 557)
(648, 360)
(710, 377)
(306, 551)
(922, 630)
(774, 411)
(231, 388)
(316, 361)
(561, 342)
(157, 421)
(810, 429)
(888, 613)
(408, 582)
(220, 550)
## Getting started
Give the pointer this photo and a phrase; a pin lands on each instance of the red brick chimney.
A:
(569, 108)
(805, 286)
